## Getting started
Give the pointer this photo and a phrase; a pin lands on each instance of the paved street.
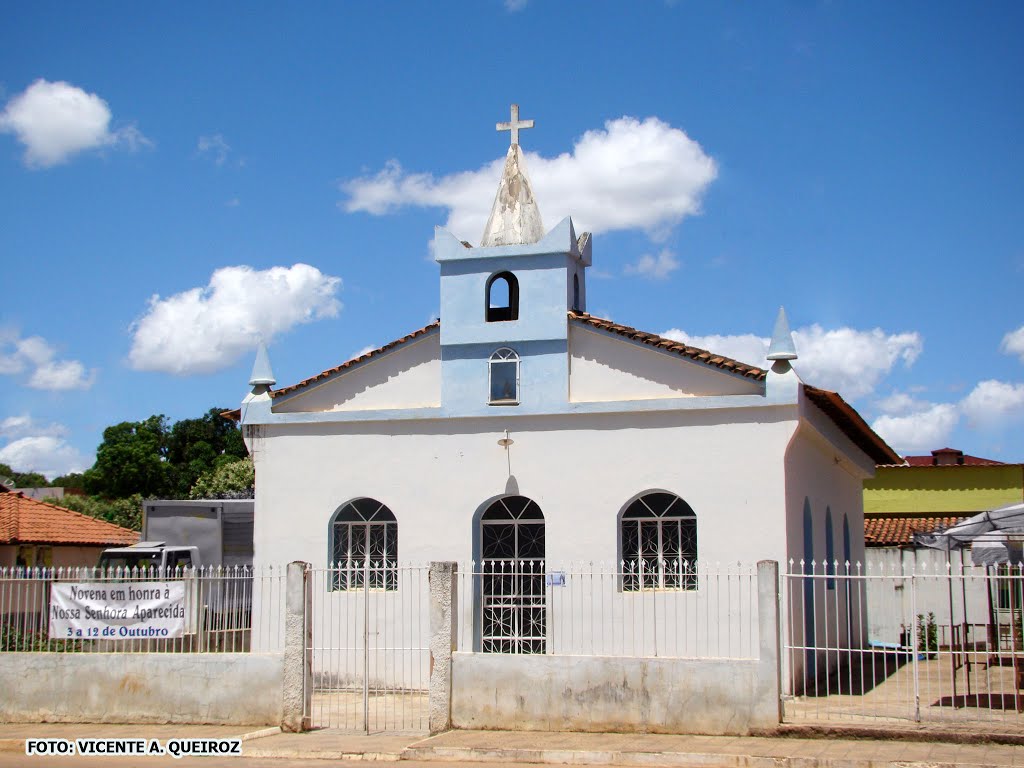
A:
(15, 760)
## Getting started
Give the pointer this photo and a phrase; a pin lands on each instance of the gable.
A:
(405, 376)
(606, 368)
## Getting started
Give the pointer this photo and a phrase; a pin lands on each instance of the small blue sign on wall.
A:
(555, 579)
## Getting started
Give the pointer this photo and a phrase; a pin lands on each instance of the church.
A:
(521, 428)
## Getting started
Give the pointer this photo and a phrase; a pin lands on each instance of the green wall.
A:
(943, 489)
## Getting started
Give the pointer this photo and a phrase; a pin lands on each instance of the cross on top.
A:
(514, 125)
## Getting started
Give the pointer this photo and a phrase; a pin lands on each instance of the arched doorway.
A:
(513, 605)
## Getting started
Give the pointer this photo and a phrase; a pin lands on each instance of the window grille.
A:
(513, 595)
(364, 546)
(658, 532)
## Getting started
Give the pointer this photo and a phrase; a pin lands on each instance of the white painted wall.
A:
(605, 369)
(581, 470)
(408, 376)
(822, 473)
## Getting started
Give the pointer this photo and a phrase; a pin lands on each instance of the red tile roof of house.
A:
(899, 530)
(952, 457)
(670, 345)
(27, 521)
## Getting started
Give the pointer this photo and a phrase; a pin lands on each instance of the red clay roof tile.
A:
(684, 350)
(899, 530)
(24, 520)
(349, 363)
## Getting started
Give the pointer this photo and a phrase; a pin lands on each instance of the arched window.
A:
(576, 292)
(502, 297)
(364, 546)
(503, 377)
(658, 532)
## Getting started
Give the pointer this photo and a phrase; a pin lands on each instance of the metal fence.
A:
(370, 647)
(940, 644)
(651, 608)
(218, 609)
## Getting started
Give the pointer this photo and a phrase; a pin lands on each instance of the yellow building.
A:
(929, 491)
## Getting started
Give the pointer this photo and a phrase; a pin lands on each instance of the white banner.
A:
(117, 610)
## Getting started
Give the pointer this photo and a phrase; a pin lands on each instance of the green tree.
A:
(231, 480)
(23, 479)
(132, 459)
(125, 512)
(74, 480)
(197, 446)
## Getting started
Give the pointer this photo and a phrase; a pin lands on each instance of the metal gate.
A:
(370, 647)
(937, 642)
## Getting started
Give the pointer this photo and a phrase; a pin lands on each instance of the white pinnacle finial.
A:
(262, 375)
(782, 346)
(514, 124)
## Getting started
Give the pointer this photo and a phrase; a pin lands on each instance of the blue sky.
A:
(178, 179)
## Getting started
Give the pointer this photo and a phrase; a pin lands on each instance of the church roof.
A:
(362, 358)
(24, 520)
(852, 424)
(670, 345)
(838, 410)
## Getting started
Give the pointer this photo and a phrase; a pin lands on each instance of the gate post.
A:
(297, 689)
(443, 602)
(769, 671)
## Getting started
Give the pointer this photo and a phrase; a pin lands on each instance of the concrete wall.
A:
(890, 605)
(224, 688)
(608, 694)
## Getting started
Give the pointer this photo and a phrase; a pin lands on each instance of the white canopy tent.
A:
(994, 537)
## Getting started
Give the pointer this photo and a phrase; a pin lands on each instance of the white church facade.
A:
(520, 428)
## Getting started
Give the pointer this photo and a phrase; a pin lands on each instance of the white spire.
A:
(262, 375)
(782, 346)
(515, 217)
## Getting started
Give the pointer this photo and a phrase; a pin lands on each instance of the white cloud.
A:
(36, 355)
(515, 5)
(655, 267)
(1013, 343)
(207, 329)
(747, 348)
(35, 447)
(994, 403)
(364, 351)
(631, 175)
(55, 121)
(217, 148)
(849, 361)
(919, 431)
(23, 425)
(50, 456)
(900, 403)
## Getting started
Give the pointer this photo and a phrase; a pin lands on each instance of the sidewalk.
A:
(560, 748)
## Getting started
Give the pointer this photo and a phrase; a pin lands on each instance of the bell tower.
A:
(504, 305)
